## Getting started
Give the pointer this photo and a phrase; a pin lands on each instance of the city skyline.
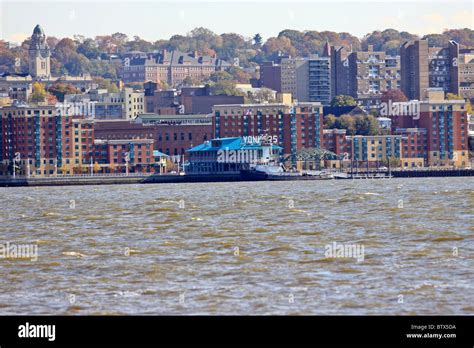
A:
(68, 18)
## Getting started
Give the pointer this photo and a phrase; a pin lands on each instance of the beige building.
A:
(294, 78)
(39, 54)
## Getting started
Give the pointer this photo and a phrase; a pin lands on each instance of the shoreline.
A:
(190, 178)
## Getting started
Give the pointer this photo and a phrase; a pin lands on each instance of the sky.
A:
(160, 19)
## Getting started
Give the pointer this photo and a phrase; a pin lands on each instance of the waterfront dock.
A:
(75, 180)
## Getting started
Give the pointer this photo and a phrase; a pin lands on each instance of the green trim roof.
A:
(157, 153)
(228, 144)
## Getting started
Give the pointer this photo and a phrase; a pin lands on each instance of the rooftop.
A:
(228, 144)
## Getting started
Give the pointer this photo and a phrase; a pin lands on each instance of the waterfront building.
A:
(171, 67)
(446, 123)
(374, 148)
(32, 135)
(414, 150)
(295, 125)
(466, 73)
(45, 140)
(122, 155)
(335, 140)
(161, 161)
(172, 134)
(230, 155)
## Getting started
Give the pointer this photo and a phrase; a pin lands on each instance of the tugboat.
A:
(267, 168)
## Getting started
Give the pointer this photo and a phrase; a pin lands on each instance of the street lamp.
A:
(16, 159)
(127, 161)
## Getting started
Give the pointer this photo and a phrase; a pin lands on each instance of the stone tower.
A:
(39, 54)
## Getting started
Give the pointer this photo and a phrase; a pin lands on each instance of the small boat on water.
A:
(271, 171)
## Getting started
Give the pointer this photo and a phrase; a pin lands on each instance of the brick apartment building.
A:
(171, 134)
(446, 126)
(364, 75)
(296, 126)
(449, 68)
(171, 67)
(188, 100)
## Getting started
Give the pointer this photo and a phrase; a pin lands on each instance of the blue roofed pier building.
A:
(231, 155)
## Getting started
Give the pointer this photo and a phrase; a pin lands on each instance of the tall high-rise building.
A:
(449, 68)
(270, 75)
(364, 75)
(466, 73)
(371, 73)
(340, 81)
(307, 79)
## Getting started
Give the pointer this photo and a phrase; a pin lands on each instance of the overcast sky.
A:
(153, 20)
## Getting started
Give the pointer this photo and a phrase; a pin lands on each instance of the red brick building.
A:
(295, 126)
(446, 125)
(335, 140)
(112, 155)
(172, 134)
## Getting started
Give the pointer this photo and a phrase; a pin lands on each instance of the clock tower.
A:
(39, 54)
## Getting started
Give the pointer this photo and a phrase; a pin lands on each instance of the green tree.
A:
(343, 100)
(225, 87)
(346, 122)
(257, 39)
(366, 125)
(89, 48)
(106, 84)
(330, 121)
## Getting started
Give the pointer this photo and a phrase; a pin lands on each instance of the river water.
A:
(241, 248)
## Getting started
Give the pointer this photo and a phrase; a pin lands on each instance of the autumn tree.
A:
(60, 89)
(329, 121)
(346, 122)
(343, 100)
(394, 95)
(38, 94)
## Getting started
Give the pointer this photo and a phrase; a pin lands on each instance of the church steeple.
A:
(39, 54)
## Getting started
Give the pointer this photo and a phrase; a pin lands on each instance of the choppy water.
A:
(172, 249)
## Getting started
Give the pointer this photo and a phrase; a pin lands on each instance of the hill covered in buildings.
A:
(103, 55)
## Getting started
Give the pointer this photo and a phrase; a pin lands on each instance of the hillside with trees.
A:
(102, 56)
